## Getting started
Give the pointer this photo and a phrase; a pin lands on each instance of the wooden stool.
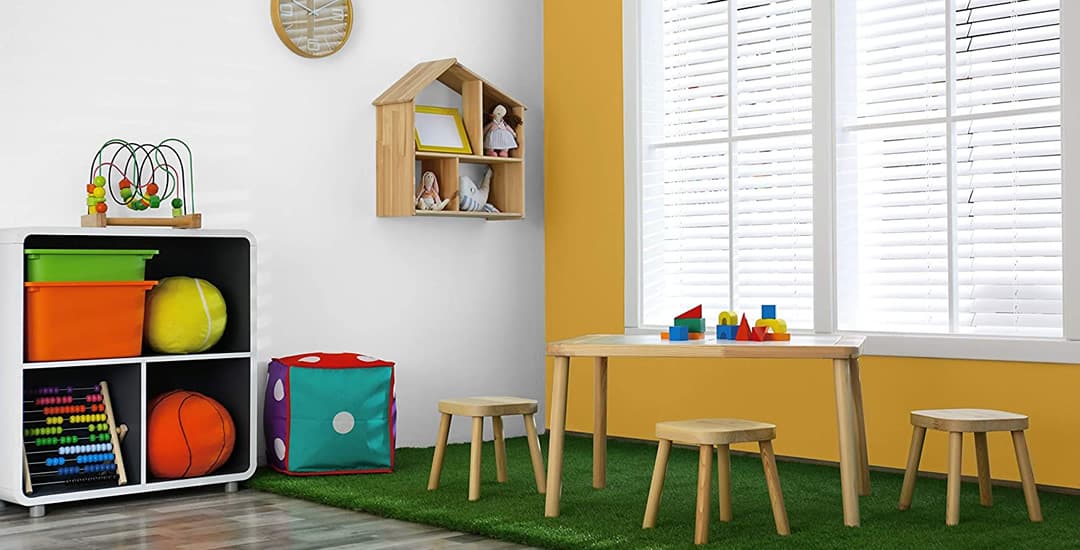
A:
(478, 408)
(977, 421)
(721, 433)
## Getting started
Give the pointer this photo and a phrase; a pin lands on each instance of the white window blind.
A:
(950, 169)
(726, 183)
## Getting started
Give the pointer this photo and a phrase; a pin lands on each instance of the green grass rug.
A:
(611, 518)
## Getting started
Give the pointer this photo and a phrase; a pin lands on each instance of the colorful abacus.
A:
(70, 437)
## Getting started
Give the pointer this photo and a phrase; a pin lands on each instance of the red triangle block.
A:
(757, 334)
(692, 313)
(744, 329)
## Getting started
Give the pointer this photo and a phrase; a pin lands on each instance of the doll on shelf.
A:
(427, 196)
(499, 136)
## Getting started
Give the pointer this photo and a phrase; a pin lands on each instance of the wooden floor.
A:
(208, 518)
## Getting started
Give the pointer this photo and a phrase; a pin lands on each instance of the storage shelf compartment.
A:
(227, 381)
(223, 261)
(125, 389)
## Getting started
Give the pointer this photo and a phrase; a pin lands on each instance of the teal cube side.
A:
(341, 419)
(692, 325)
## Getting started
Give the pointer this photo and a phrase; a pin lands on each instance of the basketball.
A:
(189, 435)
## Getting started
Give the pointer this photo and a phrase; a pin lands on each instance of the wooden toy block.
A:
(726, 332)
(664, 335)
(778, 326)
(697, 335)
(728, 318)
(678, 334)
(774, 337)
(692, 313)
(768, 312)
(757, 334)
(744, 330)
(693, 325)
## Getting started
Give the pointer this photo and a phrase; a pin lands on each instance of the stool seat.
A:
(488, 406)
(977, 421)
(720, 433)
(715, 431)
(479, 408)
(969, 420)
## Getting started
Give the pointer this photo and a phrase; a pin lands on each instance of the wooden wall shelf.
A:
(396, 155)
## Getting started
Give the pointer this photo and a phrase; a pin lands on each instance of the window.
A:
(923, 136)
(950, 169)
(726, 160)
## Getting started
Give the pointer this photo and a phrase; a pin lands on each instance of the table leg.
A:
(860, 428)
(599, 437)
(557, 431)
(849, 454)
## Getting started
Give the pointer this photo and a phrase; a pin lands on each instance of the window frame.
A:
(825, 19)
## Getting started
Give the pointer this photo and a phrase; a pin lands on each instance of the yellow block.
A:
(728, 318)
(779, 326)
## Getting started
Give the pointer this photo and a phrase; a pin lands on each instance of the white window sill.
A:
(949, 346)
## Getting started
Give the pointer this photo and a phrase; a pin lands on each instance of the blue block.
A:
(768, 312)
(678, 334)
(726, 332)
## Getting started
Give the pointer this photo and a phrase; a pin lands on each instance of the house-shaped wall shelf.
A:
(396, 154)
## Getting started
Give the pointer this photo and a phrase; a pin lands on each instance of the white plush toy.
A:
(472, 197)
(427, 196)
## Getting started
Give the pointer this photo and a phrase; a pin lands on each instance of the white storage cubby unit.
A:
(227, 372)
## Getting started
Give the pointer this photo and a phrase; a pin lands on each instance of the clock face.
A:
(312, 28)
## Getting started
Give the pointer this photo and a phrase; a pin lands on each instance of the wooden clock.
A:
(312, 28)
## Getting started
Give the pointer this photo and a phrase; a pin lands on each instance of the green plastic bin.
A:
(86, 265)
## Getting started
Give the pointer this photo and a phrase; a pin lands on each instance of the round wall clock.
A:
(312, 28)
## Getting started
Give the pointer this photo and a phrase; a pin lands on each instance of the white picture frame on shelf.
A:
(440, 130)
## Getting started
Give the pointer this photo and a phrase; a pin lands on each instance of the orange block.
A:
(697, 335)
(782, 337)
(663, 335)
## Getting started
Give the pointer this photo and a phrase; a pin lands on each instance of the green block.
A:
(693, 325)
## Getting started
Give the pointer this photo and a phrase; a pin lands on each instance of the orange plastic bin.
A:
(84, 320)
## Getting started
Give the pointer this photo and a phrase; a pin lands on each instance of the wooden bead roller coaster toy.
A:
(70, 437)
(142, 177)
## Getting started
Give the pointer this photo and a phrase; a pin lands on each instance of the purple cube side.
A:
(276, 415)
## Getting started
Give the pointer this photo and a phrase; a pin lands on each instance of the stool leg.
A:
(918, 435)
(723, 480)
(534, 453)
(776, 496)
(652, 507)
(1027, 476)
(704, 494)
(500, 449)
(952, 491)
(982, 458)
(440, 452)
(474, 457)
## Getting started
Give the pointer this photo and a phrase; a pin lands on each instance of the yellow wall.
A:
(584, 285)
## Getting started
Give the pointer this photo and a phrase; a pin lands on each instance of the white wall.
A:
(284, 147)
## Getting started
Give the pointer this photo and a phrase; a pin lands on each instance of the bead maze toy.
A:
(141, 177)
(70, 438)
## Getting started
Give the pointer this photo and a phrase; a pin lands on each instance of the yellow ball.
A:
(184, 315)
(99, 192)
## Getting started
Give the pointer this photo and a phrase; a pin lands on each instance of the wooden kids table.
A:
(843, 350)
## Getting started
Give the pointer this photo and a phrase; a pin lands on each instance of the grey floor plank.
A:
(209, 519)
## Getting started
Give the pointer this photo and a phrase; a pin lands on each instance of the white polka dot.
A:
(279, 448)
(279, 390)
(343, 422)
(310, 359)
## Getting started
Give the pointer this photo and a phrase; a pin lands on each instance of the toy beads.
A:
(141, 176)
(58, 390)
(79, 449)
(87, 469)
